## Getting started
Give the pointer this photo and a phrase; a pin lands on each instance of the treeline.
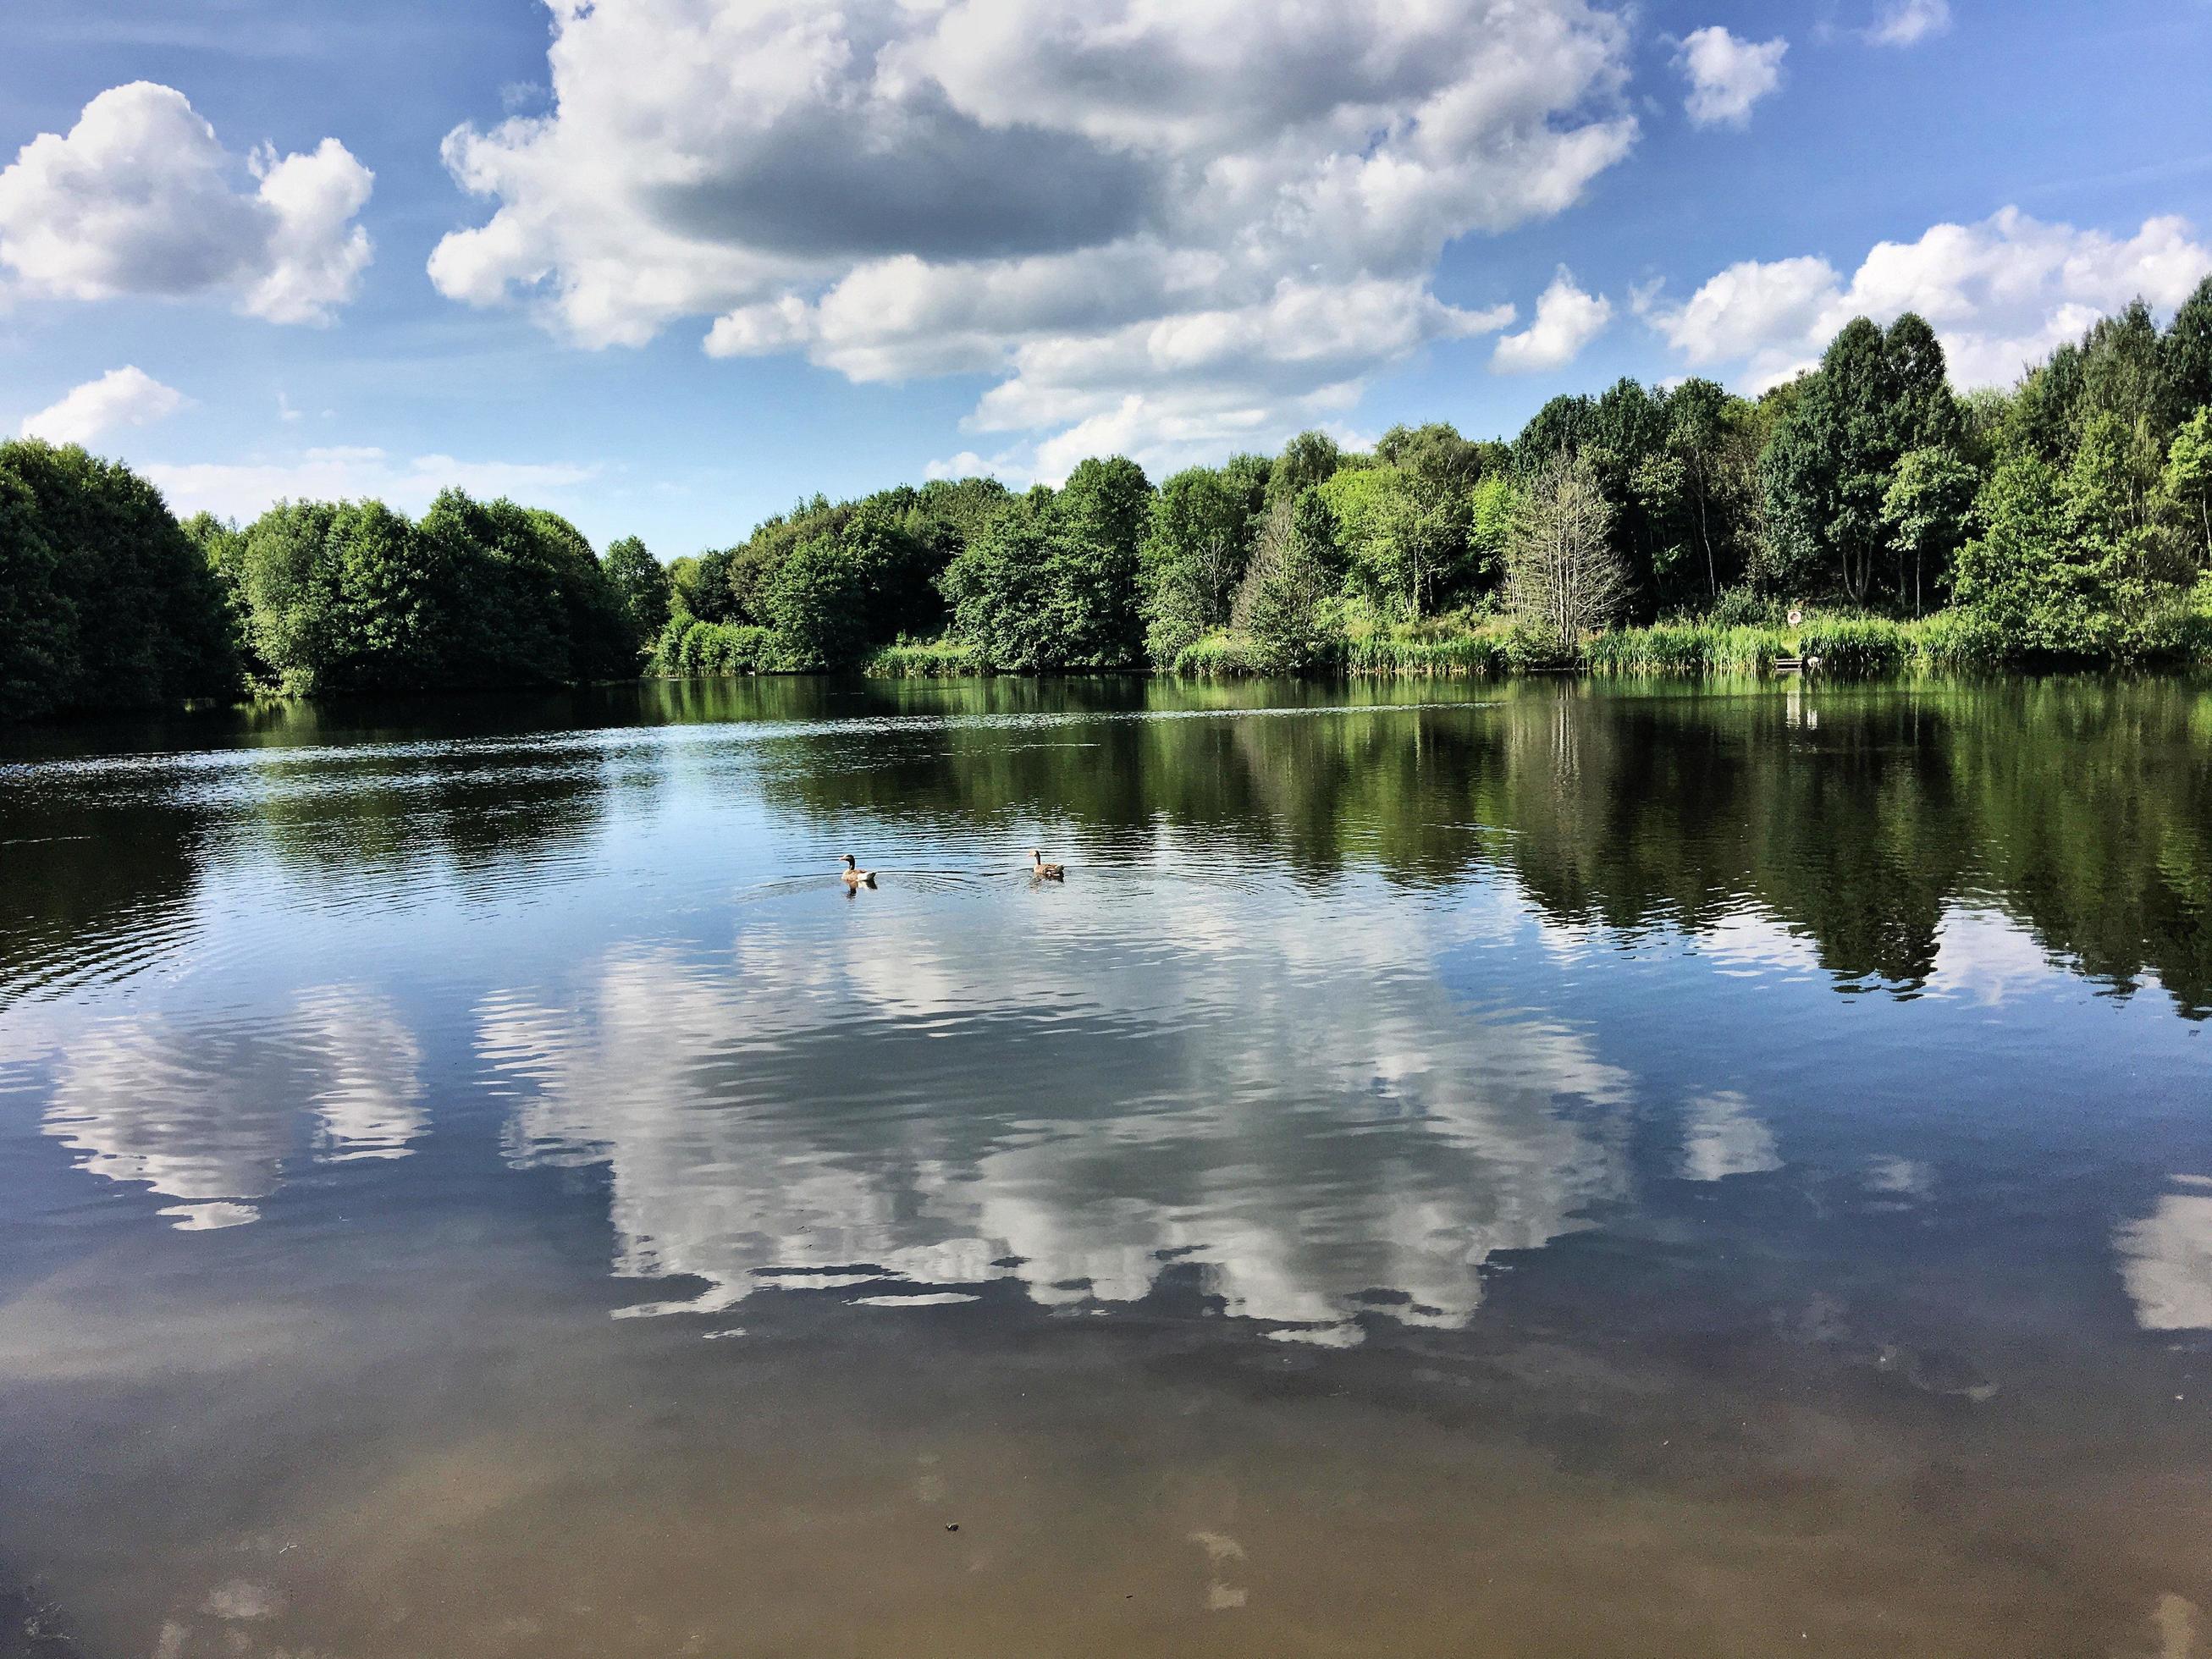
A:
(2069, 519)
(107, 602)
(350, 596)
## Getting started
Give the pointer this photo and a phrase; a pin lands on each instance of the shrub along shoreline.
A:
(1948, 641)
(1644, 530)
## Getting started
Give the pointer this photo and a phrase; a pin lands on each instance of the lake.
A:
(1454, 1168)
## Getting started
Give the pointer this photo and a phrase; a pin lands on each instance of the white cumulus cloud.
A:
(140, 197)
(123, 397)
(1728, 75)
(1173, 226)
(2000, 294)
(1908, 22)
(1567, 320)
(243, 490)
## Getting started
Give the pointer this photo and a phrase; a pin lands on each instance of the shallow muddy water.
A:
(1510, 1171)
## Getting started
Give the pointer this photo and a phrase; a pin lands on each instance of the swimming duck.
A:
(1044, 872)
(856, 877)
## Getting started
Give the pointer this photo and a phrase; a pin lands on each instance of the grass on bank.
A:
(1477, 646)
(925, 659)
(1843, 646)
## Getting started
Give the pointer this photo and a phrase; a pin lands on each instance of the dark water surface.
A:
(1491, 1170)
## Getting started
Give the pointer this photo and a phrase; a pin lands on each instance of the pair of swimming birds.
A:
(856, 877)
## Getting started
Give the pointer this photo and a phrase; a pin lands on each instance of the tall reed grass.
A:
(1686, 649)
(1224, 655)
(1855, 646)
(924, 659)
(1455, 656)
(1474, 646)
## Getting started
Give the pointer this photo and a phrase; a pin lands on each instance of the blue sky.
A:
(1000, 233)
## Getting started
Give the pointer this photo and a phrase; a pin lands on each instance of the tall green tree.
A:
(1676, 469)
(1196, 545)
(840, 594)
(642, 586)
(1050, 581)
(1309, 458)
(2186, 484)
(526, 602)
(1288, 600)
(223, 544)
(1827, 470)
(818, 603)
(1405, 538)
(703, 586)
(1697, 433)
(105, 602)
(1436, 457)
(2188, 350)
(39, 666)
(1926, 511)
(2065, 565)
(2023, 574)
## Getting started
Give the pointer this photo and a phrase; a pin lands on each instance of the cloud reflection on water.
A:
(1723, 1136)
(1296, 1108)
(2165, 1259)
(211, 1116)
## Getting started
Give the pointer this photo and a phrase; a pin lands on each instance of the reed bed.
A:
(1455, 656)
(924, 659)
(1220, 656)
(1686, 649)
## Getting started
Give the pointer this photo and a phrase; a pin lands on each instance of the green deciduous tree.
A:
(350, 596)
(1405, 539)
(1827, 470)
(842, 593)
(2022, 573)
(1309, 458)
(1050, 581)
(1926, 510)
(39, 619)
(1196, 545)
(2186, 483)
(525, 600)
(642, 587)
(1494, 508)
(1698, 444)
(1677, 468)
(2065, 565)
(818, 604)
(105, 602)
(703, 585)
(2188, 350)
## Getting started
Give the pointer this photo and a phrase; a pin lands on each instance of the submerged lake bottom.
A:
(1534, 1168)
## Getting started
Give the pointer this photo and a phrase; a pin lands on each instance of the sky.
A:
(669, 266)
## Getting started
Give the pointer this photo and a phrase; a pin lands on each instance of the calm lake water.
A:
(1453, 1169)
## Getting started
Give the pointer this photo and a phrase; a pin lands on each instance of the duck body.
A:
(1044, 872)
(856, 877)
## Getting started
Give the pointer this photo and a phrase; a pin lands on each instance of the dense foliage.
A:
(105, 602)
(2069, 519)
(350, 596)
